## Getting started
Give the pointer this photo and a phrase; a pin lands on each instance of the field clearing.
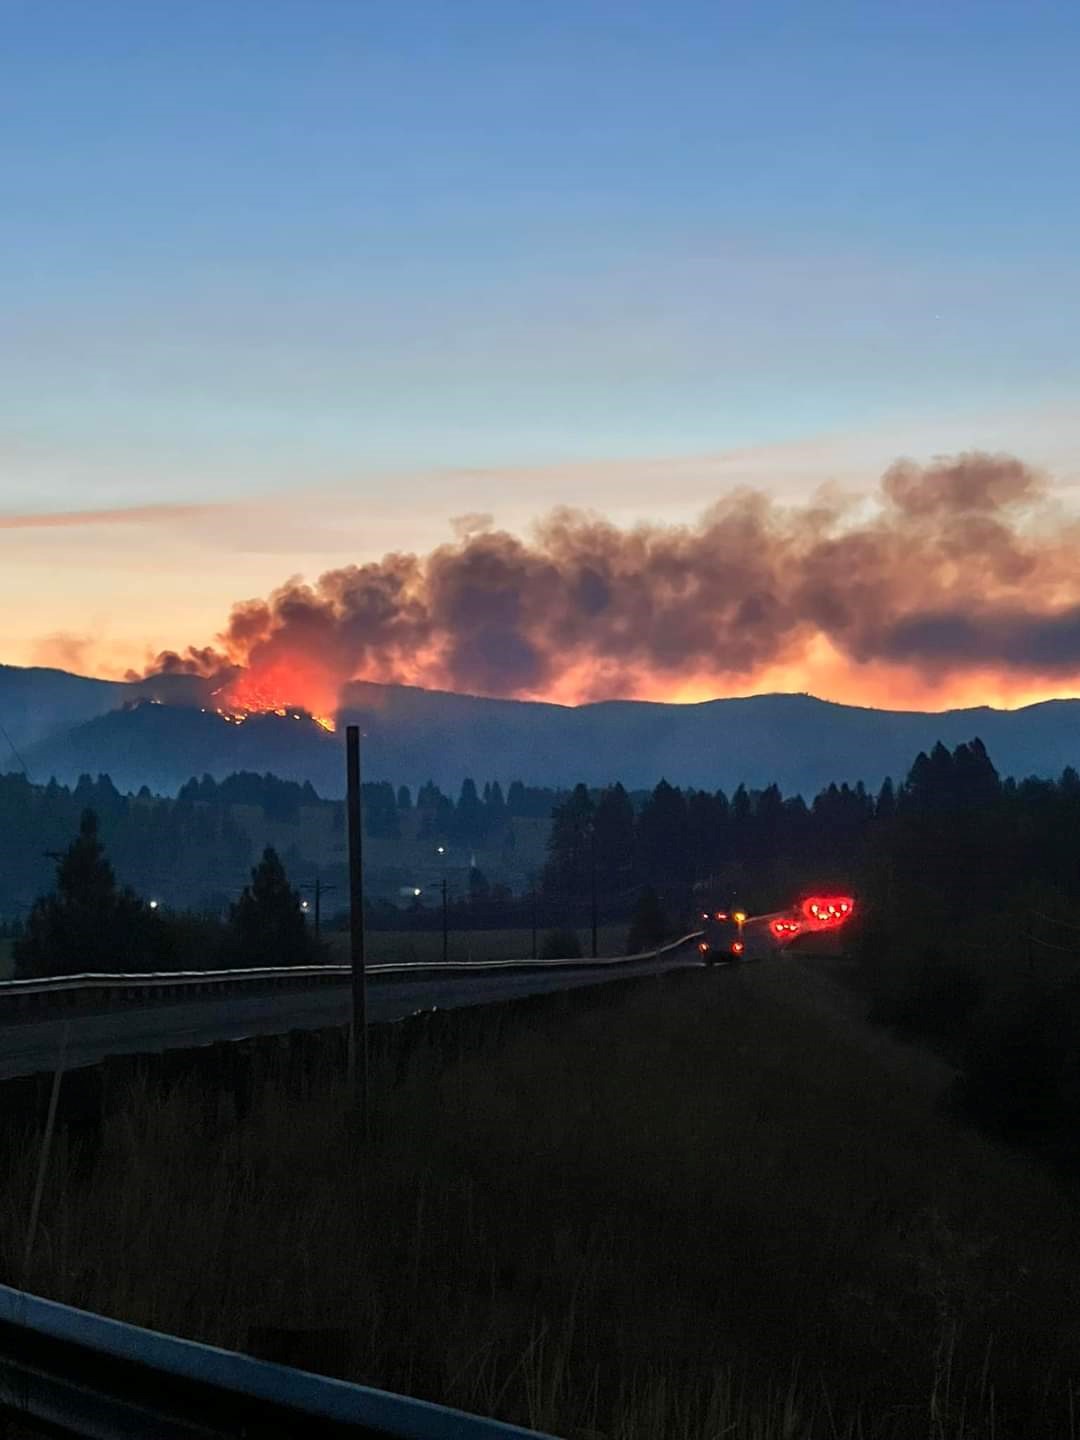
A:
(411, 946)
(715, 1204)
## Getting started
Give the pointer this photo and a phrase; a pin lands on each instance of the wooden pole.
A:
(358, 1051)
(592, 868)
(43, 1163)
(535, 903)
(445, 923)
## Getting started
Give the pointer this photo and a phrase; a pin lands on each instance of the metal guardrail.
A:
(81, 1374)
(54, 991)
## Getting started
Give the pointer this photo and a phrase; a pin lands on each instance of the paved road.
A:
(28, 1046)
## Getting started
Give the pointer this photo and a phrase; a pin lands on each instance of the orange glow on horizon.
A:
(298, 681)
(290, 684)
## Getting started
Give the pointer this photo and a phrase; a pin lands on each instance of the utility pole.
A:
(592, 868)
(445, 921)
(445, 925)
(358, 1052)
(319, 890)
(535, 903)
(1030, 949)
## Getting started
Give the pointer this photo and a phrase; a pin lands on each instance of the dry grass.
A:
(711, 1210)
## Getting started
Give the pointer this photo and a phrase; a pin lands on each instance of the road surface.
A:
(28, 1046)
(31, 1045)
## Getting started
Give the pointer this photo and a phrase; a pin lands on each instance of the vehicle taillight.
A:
(720, 915)
(737, 947)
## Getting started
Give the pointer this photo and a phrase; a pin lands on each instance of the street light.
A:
(441, 851)
(153, 904)
(320, 890)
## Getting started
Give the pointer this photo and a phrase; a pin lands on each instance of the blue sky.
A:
(289, 248)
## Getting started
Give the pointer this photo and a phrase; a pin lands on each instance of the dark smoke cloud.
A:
(959, 564)
(195, 660)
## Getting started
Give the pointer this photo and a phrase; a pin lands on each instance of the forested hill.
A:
(156, 733)
(195, 850)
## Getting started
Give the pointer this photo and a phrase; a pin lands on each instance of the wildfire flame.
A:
(296, 690)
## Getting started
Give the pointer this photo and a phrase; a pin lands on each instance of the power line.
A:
(1053, 920)
(18, 757)
(1049, 945)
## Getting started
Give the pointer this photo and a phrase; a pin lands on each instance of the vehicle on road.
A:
(722, 935)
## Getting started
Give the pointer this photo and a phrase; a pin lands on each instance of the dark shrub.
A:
(1009, 1084)
(649, 926)
(560, 945)
(936, 1003)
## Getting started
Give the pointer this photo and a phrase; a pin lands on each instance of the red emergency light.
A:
(823, 912)
(785, 928)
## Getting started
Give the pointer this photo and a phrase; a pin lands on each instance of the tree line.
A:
(757, 840)
(192, 848)
(88, 922)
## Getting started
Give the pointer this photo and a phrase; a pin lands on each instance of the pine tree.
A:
(469, 815)
(568, 871)
(88, 923)
(613, 825)
(267, 922)
(885, 805)
(663, 840)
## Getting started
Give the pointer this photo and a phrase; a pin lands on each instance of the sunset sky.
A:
(288, 286)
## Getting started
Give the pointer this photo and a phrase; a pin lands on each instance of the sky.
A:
(288, 286)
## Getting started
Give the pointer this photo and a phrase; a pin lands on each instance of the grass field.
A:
(409, 946)
(718, 1206)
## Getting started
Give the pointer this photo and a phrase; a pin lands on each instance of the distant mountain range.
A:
(156, 733)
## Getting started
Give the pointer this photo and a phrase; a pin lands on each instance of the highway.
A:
(31, 1045)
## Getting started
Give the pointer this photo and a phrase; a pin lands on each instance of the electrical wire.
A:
(18, 757)
(1053, 920)
(1049, 945)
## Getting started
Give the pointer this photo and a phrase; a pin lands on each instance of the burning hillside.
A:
(267, 693)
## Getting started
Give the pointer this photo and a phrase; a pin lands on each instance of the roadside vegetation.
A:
(88, 922)
(712, 1205)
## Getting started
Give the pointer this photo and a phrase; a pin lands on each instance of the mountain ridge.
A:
(161, 731)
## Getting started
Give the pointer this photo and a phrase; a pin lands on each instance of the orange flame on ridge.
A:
(286, 687)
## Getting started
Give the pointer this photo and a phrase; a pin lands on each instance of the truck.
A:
(722, 932)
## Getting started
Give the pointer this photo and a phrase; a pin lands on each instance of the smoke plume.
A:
(962, 565)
